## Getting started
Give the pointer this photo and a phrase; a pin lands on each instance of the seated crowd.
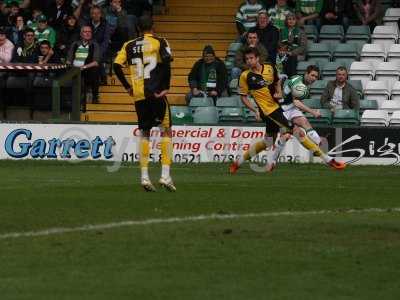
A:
(275, 28)
(82, 33)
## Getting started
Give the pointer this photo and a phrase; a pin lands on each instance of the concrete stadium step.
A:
(194, 27)
(186, 9)
(197, 45)
(188, 18)
(124, 98)
(196, 53)
(205, 3)
(114, 82)
(123, 117)
(111, 107)
(193, 36)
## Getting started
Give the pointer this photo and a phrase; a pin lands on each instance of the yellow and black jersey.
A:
(261, 86)
(149, 59)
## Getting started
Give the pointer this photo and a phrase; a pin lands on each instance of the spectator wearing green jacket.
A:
(44, 32)
(278, 13)
(308, 12)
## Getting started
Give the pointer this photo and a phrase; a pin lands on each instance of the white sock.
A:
(145, 173)
(279, 145)
(314, 136)
(165, 171)
(326, 158)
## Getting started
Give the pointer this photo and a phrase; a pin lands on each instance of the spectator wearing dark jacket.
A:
(101, 29)
(68, 34)
(268, 34)
(16, 32)
(336, 12)
(208, 76)
(26, 52)
(88, 61)
(251, 41)
(339, 94)
(58, 11)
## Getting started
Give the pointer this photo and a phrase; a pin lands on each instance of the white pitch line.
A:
(91, 227)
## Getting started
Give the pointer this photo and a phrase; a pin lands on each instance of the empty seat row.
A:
(336, 32)
(380, 118)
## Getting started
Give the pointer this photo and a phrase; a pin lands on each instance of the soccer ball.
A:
(300, 91)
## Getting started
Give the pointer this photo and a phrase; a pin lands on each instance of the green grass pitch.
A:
(332, 255)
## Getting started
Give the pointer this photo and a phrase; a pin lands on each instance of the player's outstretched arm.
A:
(300, 105)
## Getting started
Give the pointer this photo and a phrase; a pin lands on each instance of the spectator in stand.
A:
(246, 16)
(339, 94)
(251, 41)
(44, 32)
(101, 34)
(367, 12)
(85, 54)
(33, 23)
(135, 9)
(16, 32)
(6, 51)
(278, 14)
(12, 10)
(26, 52)
(59, 10)
(21, 3)
(308, 12)
(271, 3)
(46, 54)
(337, 12)
(82, 9)
(68, 34)
(296, 39)
(122, 27)
(6, 47)
(208, 76)
(268, 34)
(3, 14)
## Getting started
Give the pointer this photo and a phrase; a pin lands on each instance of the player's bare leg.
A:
(254, 149)
(166, 160)
(304, 132)
(144, 152)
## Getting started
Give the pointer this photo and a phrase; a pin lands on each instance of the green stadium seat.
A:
(233, 48)
(357, 84)
(302, 65)
(368, 105)
(359, 45)
(345, 62)
(201, 101)
(311, 32)
(318, 50)
(234, 86)
(231, 114)
(233, 101)
(331, 34)
(229, 63)
(313, 103)
(329, 70)
(181, 115)
(249, 115)
(324, 120)
(346, 117)
(345, 51)
(205, 115)
(317, 88)
(358, 32)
